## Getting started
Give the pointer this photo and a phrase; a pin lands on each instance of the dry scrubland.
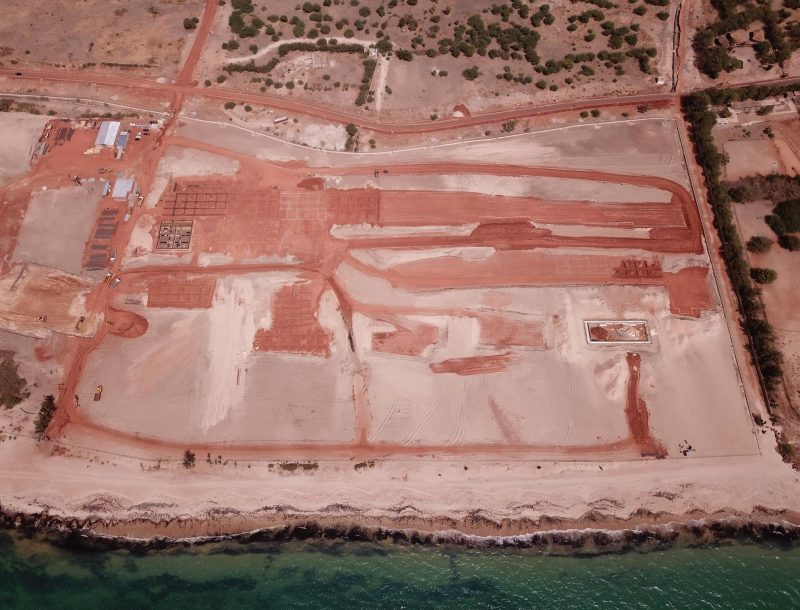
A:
(96, 34)
(434, 55)
(732, 41)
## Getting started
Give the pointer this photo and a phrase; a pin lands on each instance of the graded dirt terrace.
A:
(418, 314)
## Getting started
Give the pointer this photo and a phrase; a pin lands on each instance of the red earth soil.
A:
(474, 365)
(502, 331)
(126, 324)
(637, 414)
(181, 293)
(311, 184)
(295, 328)
(410, 339)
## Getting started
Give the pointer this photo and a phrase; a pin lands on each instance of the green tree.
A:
(789, 242)
(46, 412)
(471, 73)
(763, 275)
(759, 244)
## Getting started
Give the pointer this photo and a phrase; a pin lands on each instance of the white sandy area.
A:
(21, 131)
(577, 395)
(57, 225)
(385, 258)
(194, 375)
(584, 231)
(635, 147)
(544, 187)
(368, 231)
(179, 161)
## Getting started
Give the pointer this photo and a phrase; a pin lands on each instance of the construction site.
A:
(464, 317)
(311, 320)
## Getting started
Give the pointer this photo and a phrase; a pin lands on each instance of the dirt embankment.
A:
(592, 533)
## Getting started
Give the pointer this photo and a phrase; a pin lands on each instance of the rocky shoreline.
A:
(593, 534)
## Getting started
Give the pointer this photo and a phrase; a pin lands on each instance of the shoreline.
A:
(594, 533)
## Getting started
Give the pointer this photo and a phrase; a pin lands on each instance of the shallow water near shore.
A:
(371, 575)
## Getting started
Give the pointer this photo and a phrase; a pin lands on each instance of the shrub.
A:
(595, 113)
(471, 73)
(230, 105)
(351, 129)
(763, 275)
(188, 459)
(759, 244)
(663, 15)
(12, 386)
(584, 114)
(46, 412)
(404, 54)
(789, 213)
(789, 242)
(189, 23)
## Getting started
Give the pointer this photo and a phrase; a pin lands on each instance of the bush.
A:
(471, 73)
(12, 386)
(189, 23)
(404, 54)
(595, 113)
(188, 459)
(663, 15)
(759, 244)
(789, 242)
(789, 214)
(230, 105)
(351, 129)
(763, 275)
(46, 412)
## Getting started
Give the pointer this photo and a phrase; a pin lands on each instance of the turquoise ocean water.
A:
(356, 575)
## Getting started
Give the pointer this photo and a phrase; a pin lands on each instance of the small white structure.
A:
(123, 188)
(107, 135)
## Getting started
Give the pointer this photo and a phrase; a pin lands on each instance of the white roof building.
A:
(123, 188)
(107, 134)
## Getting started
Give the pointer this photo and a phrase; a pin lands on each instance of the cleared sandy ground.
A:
(37, 301)
(179, 161)
(752, 157)
(20, 132)
(194, 375)
(57, 225)
(558, 189)
(643, 146)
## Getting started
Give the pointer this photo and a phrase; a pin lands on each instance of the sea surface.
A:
(360, 575)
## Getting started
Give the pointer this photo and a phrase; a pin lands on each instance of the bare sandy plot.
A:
(558, 189)
(636, 147)
(20, 132)
(179, 161)
(752, 157)
(142, 35)
(566, 393)
(37, 301)
(57, 225)
(194, 376)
